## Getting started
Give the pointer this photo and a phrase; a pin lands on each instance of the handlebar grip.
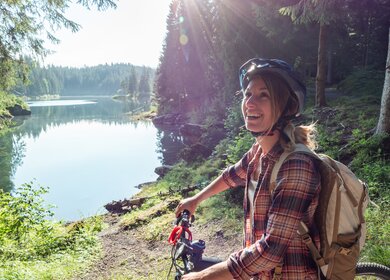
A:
(185, 215)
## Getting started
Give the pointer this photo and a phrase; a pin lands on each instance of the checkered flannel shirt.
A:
(271, 238)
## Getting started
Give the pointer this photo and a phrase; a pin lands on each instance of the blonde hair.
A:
(284, 103)
(302, 134)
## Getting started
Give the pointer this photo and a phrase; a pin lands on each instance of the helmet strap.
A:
(262, 133)
(279, 125)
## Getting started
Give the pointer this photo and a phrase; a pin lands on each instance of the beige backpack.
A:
(339, 216)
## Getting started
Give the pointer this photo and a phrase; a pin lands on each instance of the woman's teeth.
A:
(253, 116)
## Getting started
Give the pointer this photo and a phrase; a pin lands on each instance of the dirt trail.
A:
(124, 251)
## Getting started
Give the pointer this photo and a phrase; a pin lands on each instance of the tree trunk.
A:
(321, 66)
(329, 78)
(384, 115)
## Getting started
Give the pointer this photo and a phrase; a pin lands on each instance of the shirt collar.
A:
(274, 153)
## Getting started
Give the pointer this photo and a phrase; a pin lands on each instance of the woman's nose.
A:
(250, 102)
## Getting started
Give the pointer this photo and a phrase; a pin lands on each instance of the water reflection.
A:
(11, 154)
(169, 145)
(86, 154)
(104, 110)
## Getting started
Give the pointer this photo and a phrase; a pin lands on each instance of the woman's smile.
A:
(256, 106)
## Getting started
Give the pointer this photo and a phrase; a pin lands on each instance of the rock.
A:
(191, 133)
(17, 110)
(162, 170)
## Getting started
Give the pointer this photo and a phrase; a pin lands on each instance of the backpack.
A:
(339, 216)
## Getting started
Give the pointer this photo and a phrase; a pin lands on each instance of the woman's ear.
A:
(292, 106)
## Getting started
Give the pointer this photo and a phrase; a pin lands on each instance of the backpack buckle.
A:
(344, 251)
(306, 238)
(278, 272)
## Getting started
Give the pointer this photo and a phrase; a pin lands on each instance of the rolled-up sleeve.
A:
(297, 183)
(235, 175)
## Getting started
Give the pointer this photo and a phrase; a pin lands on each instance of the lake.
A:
(87, 151)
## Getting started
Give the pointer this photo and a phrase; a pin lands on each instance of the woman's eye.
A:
(247, 94)
(264, 94)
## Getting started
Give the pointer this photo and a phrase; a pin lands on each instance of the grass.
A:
(60, 266)
(377, 248)
(32, 247)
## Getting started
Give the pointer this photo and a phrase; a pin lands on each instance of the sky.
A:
(132, 33)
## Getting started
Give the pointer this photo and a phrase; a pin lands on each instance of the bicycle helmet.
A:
(256, 66)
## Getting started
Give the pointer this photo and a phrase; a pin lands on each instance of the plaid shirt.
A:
(272, 237)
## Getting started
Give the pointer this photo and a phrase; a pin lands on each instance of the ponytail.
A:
(303, 134)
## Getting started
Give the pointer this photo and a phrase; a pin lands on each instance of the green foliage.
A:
(366, 81)
(33, 247)
(377, 247)
(7, 101)
(328, 142)
(181, 174)
(370, 148)
(377, 176)
(217, 208)
(239, 147)
(372, 164)
(307, 11)
(23, 213)
(234, 120)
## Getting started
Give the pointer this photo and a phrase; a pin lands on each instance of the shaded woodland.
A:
(337, 44)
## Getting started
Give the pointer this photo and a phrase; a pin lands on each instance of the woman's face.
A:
(256, 106)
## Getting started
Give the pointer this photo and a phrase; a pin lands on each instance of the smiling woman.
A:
(131, 33)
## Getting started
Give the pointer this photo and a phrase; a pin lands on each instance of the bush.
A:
(23, 214)
(238, 147)
(32, 246)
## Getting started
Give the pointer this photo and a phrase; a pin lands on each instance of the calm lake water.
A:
(88, 152)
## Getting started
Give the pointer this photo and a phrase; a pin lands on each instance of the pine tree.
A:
(132, 86)
(144, 82)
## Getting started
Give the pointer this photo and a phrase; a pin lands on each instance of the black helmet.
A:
(257, 66)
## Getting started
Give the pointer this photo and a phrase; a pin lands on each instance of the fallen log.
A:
(125, 205)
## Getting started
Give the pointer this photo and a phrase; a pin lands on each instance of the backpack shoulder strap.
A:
(299, 148)
(302, 230)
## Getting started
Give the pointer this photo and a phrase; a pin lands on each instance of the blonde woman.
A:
(272, 97)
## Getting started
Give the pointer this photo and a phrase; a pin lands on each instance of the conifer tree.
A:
(144, 82)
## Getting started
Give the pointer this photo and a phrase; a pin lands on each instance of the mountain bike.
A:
(187, 255)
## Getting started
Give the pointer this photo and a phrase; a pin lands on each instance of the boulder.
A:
(191, 133)
(18, 110)
(161, 171)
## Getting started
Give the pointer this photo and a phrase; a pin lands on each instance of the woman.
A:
(272, 97)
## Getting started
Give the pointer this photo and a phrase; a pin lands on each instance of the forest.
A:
(207, 41)
(121, 78)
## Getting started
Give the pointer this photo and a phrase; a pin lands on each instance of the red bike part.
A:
(177, 232)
